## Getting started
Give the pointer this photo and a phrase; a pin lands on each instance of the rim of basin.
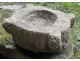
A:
(40, 18)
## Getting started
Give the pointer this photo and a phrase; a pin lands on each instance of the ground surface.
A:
(65, 7)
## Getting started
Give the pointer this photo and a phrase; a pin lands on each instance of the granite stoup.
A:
(40, 29)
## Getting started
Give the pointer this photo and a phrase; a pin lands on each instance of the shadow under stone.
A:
(33, 55)
(3, 57)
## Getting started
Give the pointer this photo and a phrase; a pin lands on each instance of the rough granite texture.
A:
(40, 29)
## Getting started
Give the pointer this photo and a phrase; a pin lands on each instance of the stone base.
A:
(19, 53)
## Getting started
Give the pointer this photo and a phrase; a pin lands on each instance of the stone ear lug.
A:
(71, 16)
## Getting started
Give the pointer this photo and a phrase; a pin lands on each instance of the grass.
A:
(65, 7)
(3, 34)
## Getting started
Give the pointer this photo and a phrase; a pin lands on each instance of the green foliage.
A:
(3, 39)
(77, 54)
(78, 4)
(3, 34)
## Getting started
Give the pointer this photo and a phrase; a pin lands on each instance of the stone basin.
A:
(40, 29)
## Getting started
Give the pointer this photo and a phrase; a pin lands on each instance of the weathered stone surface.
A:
(39, 29)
